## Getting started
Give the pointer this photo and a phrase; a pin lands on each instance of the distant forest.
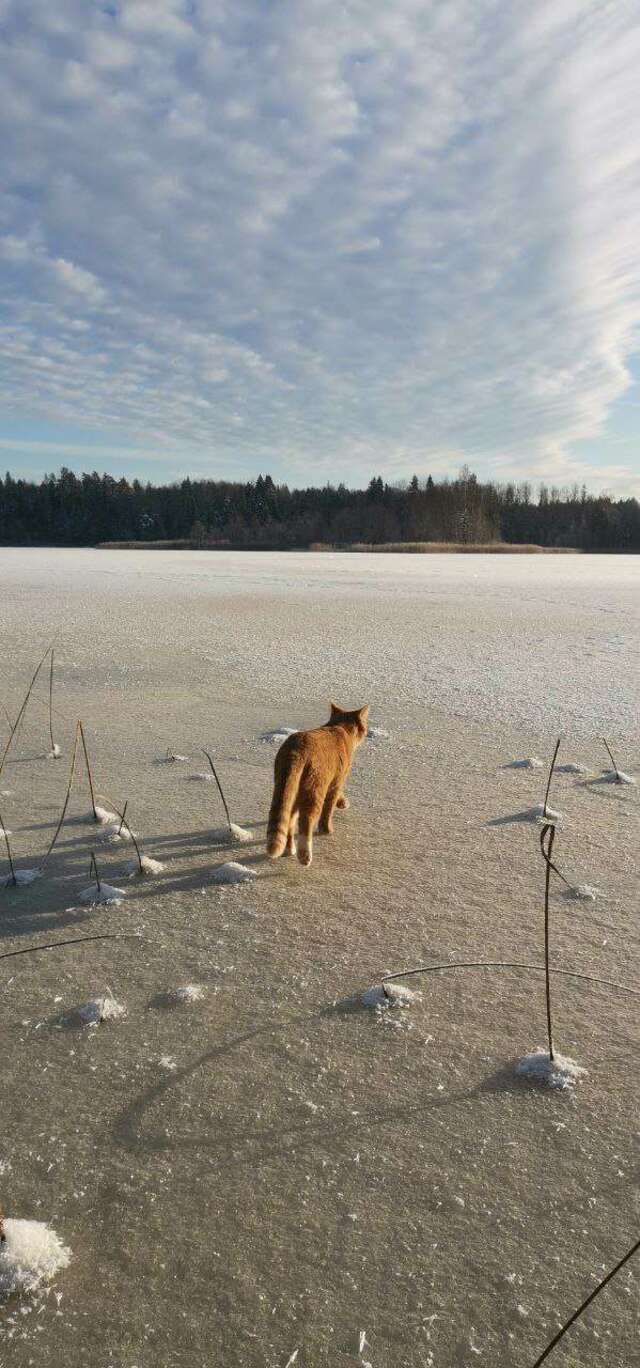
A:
(71, 510)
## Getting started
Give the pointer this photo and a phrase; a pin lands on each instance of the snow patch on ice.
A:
(560, 1072)
(541, 814)
(101, 816)
(55, 752)
(616, 777)
(530, 762)
(201, 777)
(232, 873)
(189, 992)
(278, 734)
(106, 893)
(117, 831)
(171, 757)
(23, 876)
(377, 734)
(167, 1062)
(582, 893)
(31, 1254)
(99, 1009)
(147, 871)
(396, 995)
(571, 768)
(233, 835)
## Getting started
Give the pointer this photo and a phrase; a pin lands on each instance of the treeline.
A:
(71, 510)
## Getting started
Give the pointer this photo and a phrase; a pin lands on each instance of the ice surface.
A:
(232, 873)
(560, 1072)
(31, 1255)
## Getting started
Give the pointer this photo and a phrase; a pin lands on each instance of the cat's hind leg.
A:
(291, 848)
(308, 817)
(326, 817)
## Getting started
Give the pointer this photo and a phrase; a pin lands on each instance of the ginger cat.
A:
(311, 769)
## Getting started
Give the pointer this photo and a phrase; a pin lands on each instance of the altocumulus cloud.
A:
(323, 231)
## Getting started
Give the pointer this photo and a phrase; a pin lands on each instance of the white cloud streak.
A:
(328, 235)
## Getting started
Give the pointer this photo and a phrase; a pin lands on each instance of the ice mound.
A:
(541, 814)
(560, 1072)
(190, 992)
(106, 893)
(396, 995)
(146, 868)
(278, 735)
(582, 893)
(616, 777)
(530, 762)
(31, 1254)
(23, 876)
(233, 835)
(100, 1009)
(377, 734)
(232, 873)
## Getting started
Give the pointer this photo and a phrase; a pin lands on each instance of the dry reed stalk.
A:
(615, 767)
(89, 774)
(224, 801)
(67, 796)
(6, 841)
(553, 765)
(587, 1301)
(23, 709)
(121, 815)
(503, 964)
(93, 865)
(548, 831)
(55, 749)
(75, 940)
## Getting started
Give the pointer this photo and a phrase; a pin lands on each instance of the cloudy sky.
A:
(324, 238)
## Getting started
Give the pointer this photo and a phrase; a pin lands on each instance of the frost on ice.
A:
(560, 1072)
(106, 893)
(232, 873)
(31, 1254)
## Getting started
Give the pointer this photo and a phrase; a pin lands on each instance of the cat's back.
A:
(318, 744)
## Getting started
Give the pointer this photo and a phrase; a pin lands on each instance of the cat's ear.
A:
(336, 711)
(363, 715)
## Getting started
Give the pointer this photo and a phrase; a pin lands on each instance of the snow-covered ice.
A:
(560, 1072)
(30, 1255)
(232, 873)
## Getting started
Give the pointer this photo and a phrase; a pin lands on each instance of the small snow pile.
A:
(530, 762)
(167, 1062)
(616, 777)
(102, 816)
(23, 876)
(146, 868)
(582, 893)
(106, 893)
(31, 1254)
(233, 835)
(232, 873)
(190, 992)
(202, 777)
(171, 757)
(377, 734)
(55, 752)
(396, 995)
(560, 1072)
(571, 768)
(101, 1009)
(5, 832)
(117, 831)
(278, 735)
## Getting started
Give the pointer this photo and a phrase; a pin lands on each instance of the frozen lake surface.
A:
(266, 1165)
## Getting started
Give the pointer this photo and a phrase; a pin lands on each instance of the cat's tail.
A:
(285, 792)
